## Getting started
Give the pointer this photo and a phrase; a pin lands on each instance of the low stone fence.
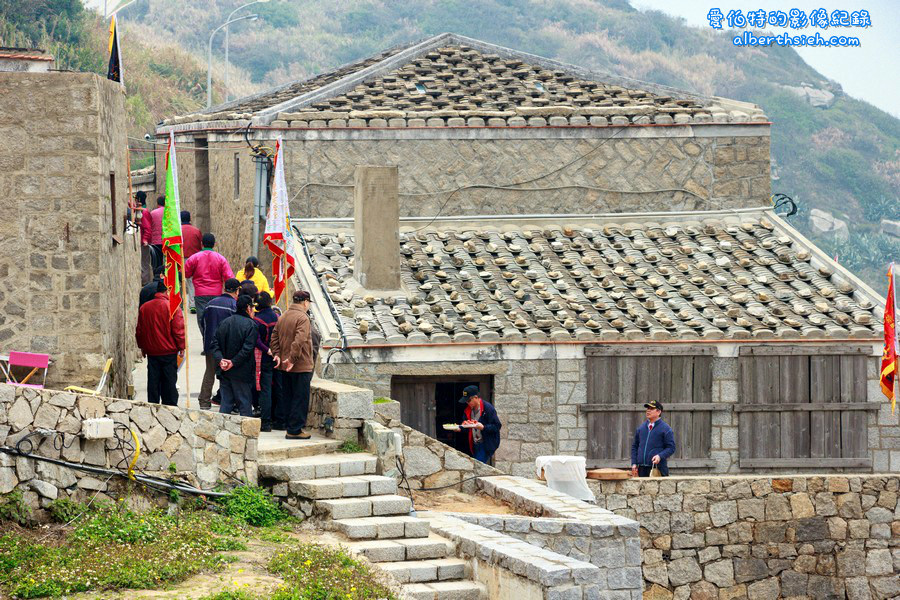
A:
(427, 463)
(205, 448)
(764, 537)
(512, 569)
(338, 410)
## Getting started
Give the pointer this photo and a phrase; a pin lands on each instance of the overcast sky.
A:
(869, 72)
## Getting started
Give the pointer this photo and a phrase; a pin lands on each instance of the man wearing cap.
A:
(482, 424)
(654, 443)
(219, 308)
(292, 350)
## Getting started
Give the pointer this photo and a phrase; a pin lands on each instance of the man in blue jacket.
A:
(654, 443)
(482, 424)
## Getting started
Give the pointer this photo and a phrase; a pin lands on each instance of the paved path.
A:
(196, 365)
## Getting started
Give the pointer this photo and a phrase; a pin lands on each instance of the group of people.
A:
(264, 359)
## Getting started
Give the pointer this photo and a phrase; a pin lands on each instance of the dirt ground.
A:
(454, 501)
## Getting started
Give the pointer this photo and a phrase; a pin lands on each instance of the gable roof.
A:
(717, 276)
(456, 76)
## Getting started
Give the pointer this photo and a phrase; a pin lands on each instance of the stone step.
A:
(319, 467)
(371, 506)
(272, 447)
(433, 546)
(445, 590)
(423, 571)
(370, 528)
(344, 487)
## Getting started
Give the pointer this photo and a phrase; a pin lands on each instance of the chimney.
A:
(376, 219)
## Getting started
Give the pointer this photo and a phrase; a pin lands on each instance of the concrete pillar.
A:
(376, 218)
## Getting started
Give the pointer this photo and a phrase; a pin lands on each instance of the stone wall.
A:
(206, 448)
(568, 527)
(725, 166)
(803, 536)
(537, 400)
(338, 410)
(78, 295)
(427, 463)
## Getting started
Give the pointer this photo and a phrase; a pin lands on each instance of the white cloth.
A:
(566, 474)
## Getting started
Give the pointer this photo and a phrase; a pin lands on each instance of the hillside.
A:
(844, 159)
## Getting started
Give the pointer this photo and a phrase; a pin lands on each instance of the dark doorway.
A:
(427, 403)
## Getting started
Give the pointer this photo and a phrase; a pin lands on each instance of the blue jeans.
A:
(236, 393)
(480, 454)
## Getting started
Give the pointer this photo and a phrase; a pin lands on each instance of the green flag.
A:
(171, 231)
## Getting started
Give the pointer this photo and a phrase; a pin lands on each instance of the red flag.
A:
(278, 236)
(889, 358)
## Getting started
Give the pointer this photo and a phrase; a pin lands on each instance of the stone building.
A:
(473, 127)
(63, 236)
(31, 60)
(763, 350)
(573, 242)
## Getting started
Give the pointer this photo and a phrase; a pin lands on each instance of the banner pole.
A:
(187, 352)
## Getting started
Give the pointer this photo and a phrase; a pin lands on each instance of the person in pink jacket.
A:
(208, 271)
(156, 223)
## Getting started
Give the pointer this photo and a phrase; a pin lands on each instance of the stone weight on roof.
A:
(720, 278)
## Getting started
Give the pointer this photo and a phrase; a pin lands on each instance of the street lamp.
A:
(227, 64)
(209, 54)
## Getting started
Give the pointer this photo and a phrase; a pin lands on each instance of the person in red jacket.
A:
(161, 340)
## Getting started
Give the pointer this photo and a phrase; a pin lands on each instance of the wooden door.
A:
(417, 403)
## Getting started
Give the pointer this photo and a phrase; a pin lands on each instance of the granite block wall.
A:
(206, 448)
(57, 235)
(802, 536)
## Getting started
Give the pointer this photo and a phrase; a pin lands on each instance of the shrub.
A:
(314, 571)
(13, 508)
(64, 510)
(252, 505)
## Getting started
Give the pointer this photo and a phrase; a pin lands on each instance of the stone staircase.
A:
(365, 509)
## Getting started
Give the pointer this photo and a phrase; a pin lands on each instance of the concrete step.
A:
(424, 571)
(370, 528)
(344, 487)
(445, 590)
(272, 446)
(433, 546)
(319, 467)
(371, 506)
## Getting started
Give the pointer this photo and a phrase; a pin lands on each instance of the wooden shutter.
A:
(803, 407)
(622, 378)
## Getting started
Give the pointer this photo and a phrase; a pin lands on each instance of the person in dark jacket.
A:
(151, 289)
(232, 348)
(161, 340)
(217, 310)
(654, 443)
(482, 423)
(265, 319)
(293, 354)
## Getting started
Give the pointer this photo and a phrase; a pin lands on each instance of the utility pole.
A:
(209, 54)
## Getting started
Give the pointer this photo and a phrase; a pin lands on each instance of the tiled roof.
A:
(717, 277)
(446, 78)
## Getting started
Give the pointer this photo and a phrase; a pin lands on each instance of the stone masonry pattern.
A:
(56, 234)
(605, 173)
(764, 537)
(206, 448)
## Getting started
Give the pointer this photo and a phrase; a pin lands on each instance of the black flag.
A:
(114, 71)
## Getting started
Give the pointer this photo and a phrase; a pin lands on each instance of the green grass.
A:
(115, 548)
(350, 447)
(381, 400)
(314, 572)
(253, 505)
